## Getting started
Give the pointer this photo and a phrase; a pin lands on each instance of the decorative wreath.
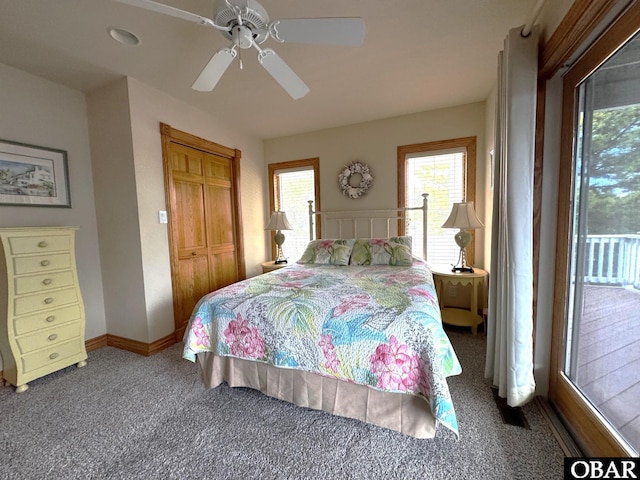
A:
(355, 179)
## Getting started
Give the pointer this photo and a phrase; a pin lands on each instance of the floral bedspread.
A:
(373, 325)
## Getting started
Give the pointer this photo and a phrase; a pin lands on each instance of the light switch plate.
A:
(162, 216)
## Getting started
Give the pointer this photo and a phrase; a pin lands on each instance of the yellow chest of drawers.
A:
(43, 326)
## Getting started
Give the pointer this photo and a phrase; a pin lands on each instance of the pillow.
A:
(382, 251)
(328, 252)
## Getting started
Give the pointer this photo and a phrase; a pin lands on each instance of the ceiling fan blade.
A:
(212, 72)
(167, 10)
(347, 31)
(282, 73)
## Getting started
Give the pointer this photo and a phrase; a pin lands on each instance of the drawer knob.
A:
(53, 336)
(45, 263)
(50, 318)
(43, 244)
(47, 281)
(48, 300)
(54, 355)
(194, 253)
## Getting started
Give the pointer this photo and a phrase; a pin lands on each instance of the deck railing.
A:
(613, 260)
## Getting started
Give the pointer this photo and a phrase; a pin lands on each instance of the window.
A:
(596, 330)
(446, 171)
(291, 186)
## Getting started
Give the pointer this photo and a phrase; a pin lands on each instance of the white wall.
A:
(376, 143)
(122, 250)
(117, 211)
(125, 122)
(551, 15)
(149, 107)
(38, 112)
(490, 123)
(127, 170)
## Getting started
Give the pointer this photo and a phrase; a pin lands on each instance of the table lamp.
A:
(279, 222)
(462, 216)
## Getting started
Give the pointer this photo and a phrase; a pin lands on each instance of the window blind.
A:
(293, 190)
(441, 174)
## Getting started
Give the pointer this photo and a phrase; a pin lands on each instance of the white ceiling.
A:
(418, 55)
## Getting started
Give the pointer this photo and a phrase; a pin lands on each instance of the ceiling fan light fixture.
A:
(123, 36)
(244, 12)
(242, 36)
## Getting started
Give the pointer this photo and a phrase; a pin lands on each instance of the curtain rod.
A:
(526, 30)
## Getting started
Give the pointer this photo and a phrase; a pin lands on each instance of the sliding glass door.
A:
(597, 382)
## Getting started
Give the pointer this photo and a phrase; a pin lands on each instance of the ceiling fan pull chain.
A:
(239, 46)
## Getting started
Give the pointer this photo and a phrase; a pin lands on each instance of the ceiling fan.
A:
(246, 23)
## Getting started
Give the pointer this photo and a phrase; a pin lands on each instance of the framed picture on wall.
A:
(33, 176)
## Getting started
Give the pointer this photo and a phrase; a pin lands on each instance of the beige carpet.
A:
(130, 417)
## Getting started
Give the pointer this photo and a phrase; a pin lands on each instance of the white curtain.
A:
(509, 361)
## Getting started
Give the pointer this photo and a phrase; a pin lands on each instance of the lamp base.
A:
(280, 258)
(462, 269)
(462, 265)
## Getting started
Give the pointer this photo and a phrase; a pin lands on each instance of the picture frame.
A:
(33, 176)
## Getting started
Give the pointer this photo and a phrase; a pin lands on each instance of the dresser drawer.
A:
(32, 323)
(54, 354)
(44, 301)
(19, 245)
(49, 337)
(41, 263)
(40, 283)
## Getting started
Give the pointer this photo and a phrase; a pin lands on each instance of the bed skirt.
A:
(408, 414)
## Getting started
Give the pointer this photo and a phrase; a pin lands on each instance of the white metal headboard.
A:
(356, 219)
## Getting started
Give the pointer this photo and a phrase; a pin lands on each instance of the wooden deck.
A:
(609, 360)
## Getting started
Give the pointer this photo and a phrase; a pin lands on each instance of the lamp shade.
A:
(463, 215)
(278, 221)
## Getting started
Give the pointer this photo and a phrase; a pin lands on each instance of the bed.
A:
(353, 328)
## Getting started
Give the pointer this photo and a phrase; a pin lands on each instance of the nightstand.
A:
(271, 266)
(460, 316)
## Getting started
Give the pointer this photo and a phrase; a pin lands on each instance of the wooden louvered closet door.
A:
(202, 191)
